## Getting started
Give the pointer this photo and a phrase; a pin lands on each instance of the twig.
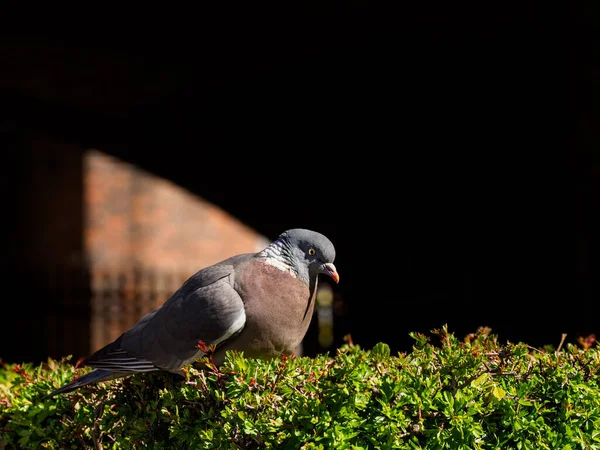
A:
(562, 341)
(280, 371)
(202, 379)
(98, 410)
(533, 348)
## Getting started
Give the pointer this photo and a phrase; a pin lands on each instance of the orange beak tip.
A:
(332, 272)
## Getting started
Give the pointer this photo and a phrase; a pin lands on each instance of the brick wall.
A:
(43, 206)
(143, 236)
(52, 201)
(133, 218)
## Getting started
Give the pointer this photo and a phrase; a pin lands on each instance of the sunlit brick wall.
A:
(135, 218)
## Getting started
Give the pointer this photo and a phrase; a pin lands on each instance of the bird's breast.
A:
(279, 308)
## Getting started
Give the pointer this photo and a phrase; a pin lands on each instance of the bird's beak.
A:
(329, 269)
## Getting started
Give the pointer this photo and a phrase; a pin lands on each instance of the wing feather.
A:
(205, 308)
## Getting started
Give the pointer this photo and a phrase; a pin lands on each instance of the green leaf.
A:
(480, 380)
(498, 393)
(361, 400)
(381, 351)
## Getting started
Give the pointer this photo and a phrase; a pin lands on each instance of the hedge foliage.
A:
(447, 393)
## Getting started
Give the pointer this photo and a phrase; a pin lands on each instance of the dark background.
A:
(450, 152)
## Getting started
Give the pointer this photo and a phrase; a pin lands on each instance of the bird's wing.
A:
(205, 308)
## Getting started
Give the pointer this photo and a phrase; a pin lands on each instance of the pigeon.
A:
(260, 304)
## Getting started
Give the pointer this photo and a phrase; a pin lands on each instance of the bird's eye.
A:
(312, 251)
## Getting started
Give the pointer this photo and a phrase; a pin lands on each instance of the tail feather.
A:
(94, 376)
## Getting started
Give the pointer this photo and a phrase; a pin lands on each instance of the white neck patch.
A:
(275, 256)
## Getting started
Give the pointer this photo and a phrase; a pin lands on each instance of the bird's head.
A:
(312, 253)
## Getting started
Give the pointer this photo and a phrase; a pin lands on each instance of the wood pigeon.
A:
(258, 303)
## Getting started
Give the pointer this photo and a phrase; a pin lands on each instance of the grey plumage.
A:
(259, 303)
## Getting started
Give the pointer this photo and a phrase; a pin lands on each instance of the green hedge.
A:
(446, 393)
